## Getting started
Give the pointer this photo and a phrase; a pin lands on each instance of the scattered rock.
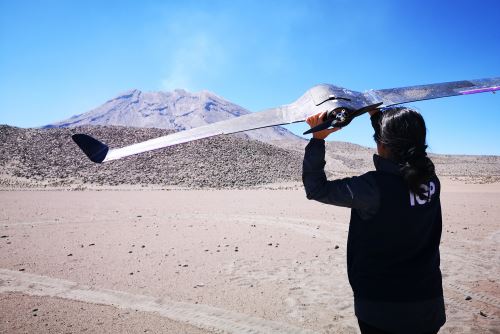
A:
(70, 254)
(143, 246)
(270, 244)
(483, 314)
(468, 298)
(91, 244)
(336, 247)
(4, 236)
(22, 269)
(34, 310)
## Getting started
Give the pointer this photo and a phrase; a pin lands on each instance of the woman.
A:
(395, 228)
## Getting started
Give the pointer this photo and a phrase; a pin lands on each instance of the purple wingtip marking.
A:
(480, 90)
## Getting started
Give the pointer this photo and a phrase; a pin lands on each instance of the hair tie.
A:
(414, 153)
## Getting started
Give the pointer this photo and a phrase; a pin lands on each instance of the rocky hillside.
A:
(38, 157)
(49, 157)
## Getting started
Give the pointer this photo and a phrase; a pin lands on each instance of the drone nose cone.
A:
(94, 149)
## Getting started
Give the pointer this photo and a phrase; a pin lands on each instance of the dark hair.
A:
(402, 131)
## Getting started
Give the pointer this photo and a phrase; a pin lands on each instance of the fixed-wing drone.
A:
(341, 105)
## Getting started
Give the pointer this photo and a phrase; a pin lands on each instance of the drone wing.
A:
(400, 95)
(99, 152)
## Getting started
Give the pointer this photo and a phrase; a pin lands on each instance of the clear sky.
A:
(60, 58)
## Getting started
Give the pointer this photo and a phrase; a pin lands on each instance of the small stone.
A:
(91, 244)
(336, 247)
(131, 273)
(143, 246)
(70, 254)
(34, 310)
(483, 314)
(139, 216)
(270, 244)
(130, 252)
(468, 298)
(4, 236)
(184, 265)
(22, 269)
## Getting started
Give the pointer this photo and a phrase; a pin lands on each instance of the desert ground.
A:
(261, 260)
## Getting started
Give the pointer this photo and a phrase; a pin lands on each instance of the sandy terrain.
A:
(212, 261)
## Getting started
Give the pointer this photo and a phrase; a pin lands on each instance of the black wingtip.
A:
(94, 149)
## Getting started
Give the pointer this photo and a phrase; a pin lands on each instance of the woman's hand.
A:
(317, 120)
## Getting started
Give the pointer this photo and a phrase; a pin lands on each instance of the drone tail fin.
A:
(94, 149)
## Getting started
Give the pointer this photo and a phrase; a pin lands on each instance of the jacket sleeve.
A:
(358, 192)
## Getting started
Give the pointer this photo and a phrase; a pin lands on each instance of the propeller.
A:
(341, 116)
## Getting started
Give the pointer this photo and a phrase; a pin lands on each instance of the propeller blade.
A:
(320, 127)
(368, 108)
(352, 114)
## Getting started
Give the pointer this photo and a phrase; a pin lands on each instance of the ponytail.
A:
(402, 131)
(417, 169)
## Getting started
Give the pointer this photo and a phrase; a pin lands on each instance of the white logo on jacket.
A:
(429, 190)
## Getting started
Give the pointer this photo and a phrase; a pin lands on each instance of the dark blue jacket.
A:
(393, 244)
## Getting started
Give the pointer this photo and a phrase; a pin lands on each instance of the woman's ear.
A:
(382, 150)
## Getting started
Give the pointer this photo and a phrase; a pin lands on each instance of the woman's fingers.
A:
(315, 119)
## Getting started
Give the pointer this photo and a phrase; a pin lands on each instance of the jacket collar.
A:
(385, 165)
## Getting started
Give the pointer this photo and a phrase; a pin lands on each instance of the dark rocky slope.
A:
(40, 157)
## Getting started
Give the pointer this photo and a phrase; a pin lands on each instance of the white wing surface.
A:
(320, 98)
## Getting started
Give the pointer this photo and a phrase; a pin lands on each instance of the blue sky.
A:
(60, 58)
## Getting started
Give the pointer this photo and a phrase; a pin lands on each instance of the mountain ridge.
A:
(176, 110)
